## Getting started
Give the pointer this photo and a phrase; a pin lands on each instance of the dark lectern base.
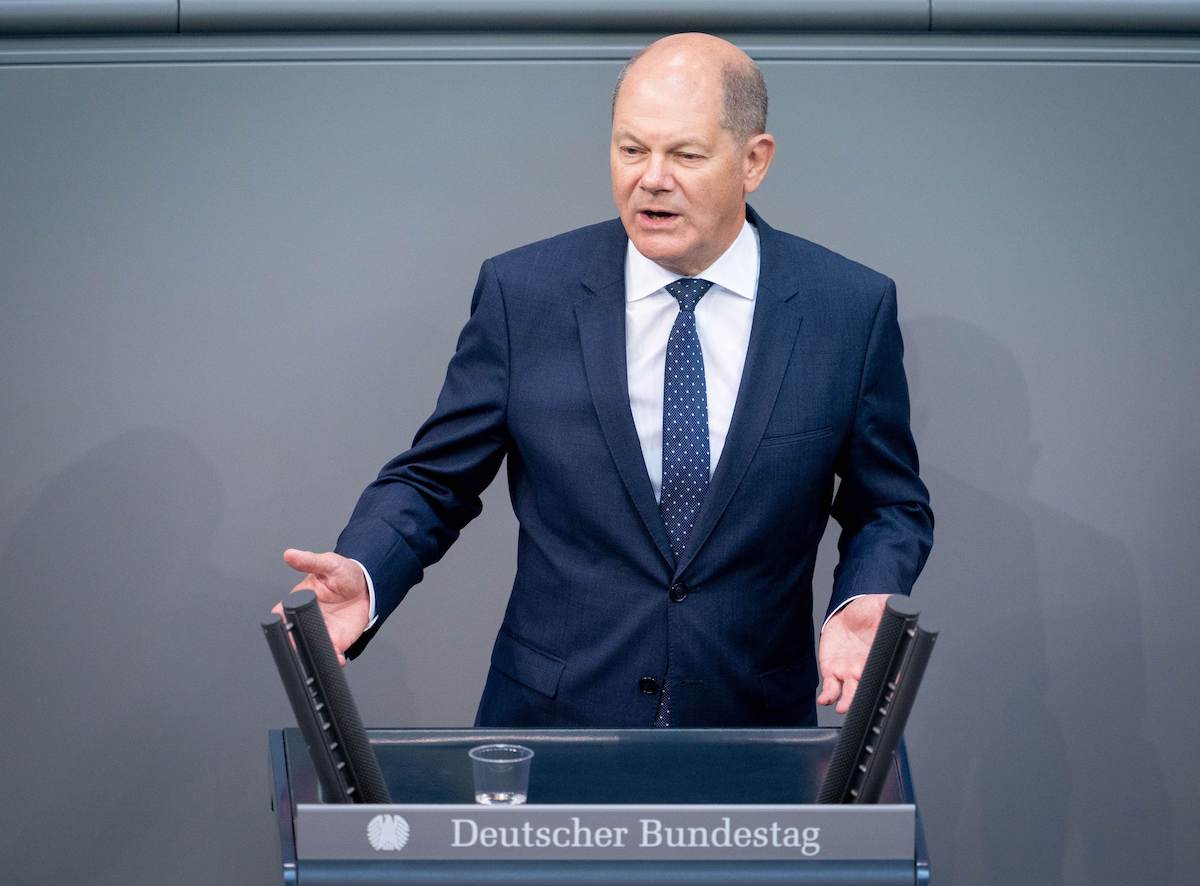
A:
(606, 873)
(735, 768)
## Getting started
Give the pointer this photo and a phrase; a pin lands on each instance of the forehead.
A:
(669, 102)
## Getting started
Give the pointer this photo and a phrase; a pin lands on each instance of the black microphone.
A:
(875, 722)
(347, 768)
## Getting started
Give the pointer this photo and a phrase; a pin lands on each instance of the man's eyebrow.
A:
(694, 141)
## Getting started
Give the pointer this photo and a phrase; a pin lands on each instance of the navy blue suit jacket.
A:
(539, 376)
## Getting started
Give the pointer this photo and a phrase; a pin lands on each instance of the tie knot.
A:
(688, 291)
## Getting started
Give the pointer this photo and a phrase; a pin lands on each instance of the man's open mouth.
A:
(658, 215)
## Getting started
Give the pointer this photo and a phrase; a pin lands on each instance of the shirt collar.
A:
(735, 271)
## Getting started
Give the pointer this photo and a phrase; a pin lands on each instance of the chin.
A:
(659, 250)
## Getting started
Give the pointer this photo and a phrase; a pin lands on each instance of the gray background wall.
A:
(232, 270)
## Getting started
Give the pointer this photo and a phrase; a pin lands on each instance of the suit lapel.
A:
(772, 338)
(601, 318)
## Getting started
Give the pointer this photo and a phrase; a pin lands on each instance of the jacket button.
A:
(678, 592)
(648, 685)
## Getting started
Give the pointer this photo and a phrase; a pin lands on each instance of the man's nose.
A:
(657, 175)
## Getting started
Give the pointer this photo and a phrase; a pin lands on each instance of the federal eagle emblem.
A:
(387, 832)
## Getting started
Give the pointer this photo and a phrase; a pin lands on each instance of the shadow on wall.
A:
(1036, 770)
(138, 753)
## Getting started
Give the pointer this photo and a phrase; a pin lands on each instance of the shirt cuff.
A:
(829, 616)
(371, 616)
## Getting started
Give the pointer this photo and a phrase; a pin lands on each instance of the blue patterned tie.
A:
(685, 463)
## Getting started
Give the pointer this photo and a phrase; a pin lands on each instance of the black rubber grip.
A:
(898, 617)
(295, 684)
(868, 778)
(333, 699)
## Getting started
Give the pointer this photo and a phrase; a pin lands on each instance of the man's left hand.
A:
(845, 642)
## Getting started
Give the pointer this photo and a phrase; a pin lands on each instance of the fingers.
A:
(839, 689)
(307, 561)
(849, 687)
(830, 691)
(342, 593)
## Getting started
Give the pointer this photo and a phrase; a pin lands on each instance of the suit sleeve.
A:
(881, 504)
(407, 519)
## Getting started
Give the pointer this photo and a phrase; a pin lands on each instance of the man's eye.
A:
(689, 156)
(629, 151)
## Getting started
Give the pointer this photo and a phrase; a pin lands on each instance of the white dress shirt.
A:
(723, 320)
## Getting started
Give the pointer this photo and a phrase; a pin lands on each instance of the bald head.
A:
(705, 57)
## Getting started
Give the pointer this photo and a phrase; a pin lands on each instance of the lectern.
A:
(629, 807)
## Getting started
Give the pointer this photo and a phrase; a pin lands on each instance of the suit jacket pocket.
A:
(530, 667)
(812, 434)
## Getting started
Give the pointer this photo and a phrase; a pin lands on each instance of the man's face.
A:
(679, 179)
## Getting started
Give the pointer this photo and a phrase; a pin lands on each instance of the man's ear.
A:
(758, 154)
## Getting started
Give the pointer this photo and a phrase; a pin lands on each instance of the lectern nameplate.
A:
(560, 832)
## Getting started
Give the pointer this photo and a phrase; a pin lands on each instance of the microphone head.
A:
(299, 601)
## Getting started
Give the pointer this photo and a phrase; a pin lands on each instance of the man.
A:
(675, 393)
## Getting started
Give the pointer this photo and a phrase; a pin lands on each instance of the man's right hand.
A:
(341, 591)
